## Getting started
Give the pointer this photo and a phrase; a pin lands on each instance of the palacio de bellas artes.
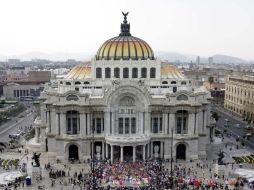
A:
(124, 105)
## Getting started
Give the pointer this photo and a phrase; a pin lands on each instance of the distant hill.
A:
(164, 55)
(59, 56)
(227, 59)
(173, 57)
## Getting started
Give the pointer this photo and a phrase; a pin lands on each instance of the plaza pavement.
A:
(201, 172)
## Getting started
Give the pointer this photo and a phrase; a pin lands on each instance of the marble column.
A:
(161, 149)
(147, 123)
(107, 122)
(165, 123)
(106, 151)
(57, 124)
(152, 149)
(140, 118)
(134, 153)
(63, 123)
(113, 128)
(111, 154)
(144, 152)
(121, 159)
(196, 123)
(82, 126)
(148, 150)
(103, 150)
(89, 130)
(171, 122)
(205, 121)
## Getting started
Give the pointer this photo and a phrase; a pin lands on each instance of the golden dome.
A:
(80, 72)
(125, 46)
(171, 72)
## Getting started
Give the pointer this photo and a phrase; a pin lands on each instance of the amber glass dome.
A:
(125, 46)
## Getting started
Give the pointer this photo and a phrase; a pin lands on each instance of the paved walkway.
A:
(201, 169)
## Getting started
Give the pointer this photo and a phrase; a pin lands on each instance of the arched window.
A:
(68, 83)
(77, 83)
(86, 82)
(125, 72)
(143, 72)
(173, 82)
(183, 83)
(164, 82)
(174, 89)
(134, 72)
(72, 122)
(72, 97)
(181, 122)
(182, 97)
(98, 73)
(107, 73)
(152, 72)
(117, 72)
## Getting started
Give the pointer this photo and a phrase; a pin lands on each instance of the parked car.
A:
(14, 136)
(247, 127)
(237, 125)
(248, 135)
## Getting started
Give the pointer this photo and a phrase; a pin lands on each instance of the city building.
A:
(198, 60)
(125, 105)
(210, 60)
(239, 95)
(30, 85)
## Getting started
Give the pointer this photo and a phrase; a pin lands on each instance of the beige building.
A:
(239, 96)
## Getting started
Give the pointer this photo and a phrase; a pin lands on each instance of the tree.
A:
(216, 116)
(210, 80)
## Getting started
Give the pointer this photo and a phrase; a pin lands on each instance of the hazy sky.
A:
(200, 27)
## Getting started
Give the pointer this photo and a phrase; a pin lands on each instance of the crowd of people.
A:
(152, 175)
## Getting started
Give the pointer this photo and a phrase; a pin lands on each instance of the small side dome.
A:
(170, 72)
(80, 72)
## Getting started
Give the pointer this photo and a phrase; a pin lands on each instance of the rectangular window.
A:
(69, 125)
(160, 124)
(127, 125)
(98, 125)
(74, 126)
(120, 125)
(93, 126)
(155, 125)
(133, 125)
(185, 124)
(178, 126)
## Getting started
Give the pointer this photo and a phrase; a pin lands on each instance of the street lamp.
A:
(171, 155)
(94, 186)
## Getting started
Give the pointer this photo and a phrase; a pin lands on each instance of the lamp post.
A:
(92, 162)
(171, 160)
(171, 155)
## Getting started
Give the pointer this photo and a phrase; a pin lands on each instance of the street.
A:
(239, 131)
(11, 127)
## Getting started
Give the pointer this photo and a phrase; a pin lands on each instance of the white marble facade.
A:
(133, 115)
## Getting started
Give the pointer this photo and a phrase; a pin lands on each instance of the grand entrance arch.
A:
(73, 152)
(181, 152)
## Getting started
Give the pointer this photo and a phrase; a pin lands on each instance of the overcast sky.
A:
(200, 27)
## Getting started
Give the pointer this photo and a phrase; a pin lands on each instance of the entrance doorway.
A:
(128, 153)
(181, 152)
(73, 152)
